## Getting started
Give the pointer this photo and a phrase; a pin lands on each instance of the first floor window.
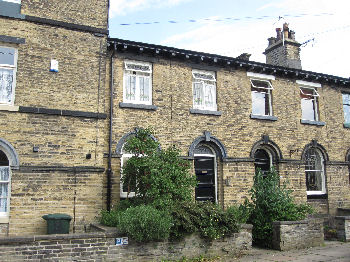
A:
(261, 97)
(309, 105)
(204, 90)
(314, 172)
(8, 57)
(4, 184)
(346, 107)
(137, 83)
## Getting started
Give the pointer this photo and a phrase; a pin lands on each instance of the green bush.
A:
(124, 204)
(271, 202)
(162, 175)
(240, 214)
(109, 218)
(209, 219)
(144, 223)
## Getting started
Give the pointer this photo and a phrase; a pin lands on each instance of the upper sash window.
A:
(8, 63)
(137, 83)
(204, 90)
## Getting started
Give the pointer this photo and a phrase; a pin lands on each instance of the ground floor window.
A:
(5, 175)
(314, 172)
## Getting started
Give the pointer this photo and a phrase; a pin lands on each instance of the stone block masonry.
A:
(174, 123)
(88, 12)
(56, 123)
(288, 235)
(100, 246)
(342, 224)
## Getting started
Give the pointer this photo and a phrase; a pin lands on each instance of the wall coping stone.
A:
(343, 209)
(103, 228)
(343, 217)
(290, 222)
(28, 239)
(247, 226)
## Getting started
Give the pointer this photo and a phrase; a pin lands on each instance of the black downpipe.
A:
(111, 96)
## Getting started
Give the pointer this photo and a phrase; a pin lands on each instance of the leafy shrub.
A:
(240, 214)
(124, 204)
(109, 218)
(144, 223)
(271, 202)
(209, 219)
(162, 175)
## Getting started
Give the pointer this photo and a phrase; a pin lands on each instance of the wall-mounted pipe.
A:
(111, 96)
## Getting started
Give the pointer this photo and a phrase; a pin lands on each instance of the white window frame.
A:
(4, 216)
(124, 194)
(14, 69)
(265, 90)
(145, 71)
(315, 96)
(345, 104)
(207, 80)
(13, 1)
(323, 191)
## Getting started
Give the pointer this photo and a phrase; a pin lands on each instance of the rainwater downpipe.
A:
(111, 96)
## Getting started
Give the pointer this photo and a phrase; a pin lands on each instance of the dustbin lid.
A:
(57, 217)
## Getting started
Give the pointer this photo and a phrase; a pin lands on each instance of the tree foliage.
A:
(156, 175)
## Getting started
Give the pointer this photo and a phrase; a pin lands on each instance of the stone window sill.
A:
(317, 196)
(10, 9)
(4, 219)
(9, 108)
(205, 112)
(310, 122)
(260, 117)
(12, 40)
(137, 106)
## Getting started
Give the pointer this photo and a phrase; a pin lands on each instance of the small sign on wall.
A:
(54, 65)
(121, 241)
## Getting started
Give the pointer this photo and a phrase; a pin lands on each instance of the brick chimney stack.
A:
(283, 50)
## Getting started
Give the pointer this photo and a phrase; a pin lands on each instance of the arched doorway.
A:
(207, 151)
(206, 173)
(266, 154)
(262, 160)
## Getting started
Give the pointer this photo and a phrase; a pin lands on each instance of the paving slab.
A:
(331, 251)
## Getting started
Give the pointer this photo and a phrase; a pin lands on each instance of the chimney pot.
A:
(292, 35)
(244, 56)
(278, 33)
(271, 40)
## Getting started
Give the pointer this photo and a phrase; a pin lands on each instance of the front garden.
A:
(163, 207)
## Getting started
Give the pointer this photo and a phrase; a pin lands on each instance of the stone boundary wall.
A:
(343, 211)
(342, 224)
(100, 246)
(288, 235)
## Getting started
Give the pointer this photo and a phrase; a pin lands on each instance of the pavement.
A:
(330, 251)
